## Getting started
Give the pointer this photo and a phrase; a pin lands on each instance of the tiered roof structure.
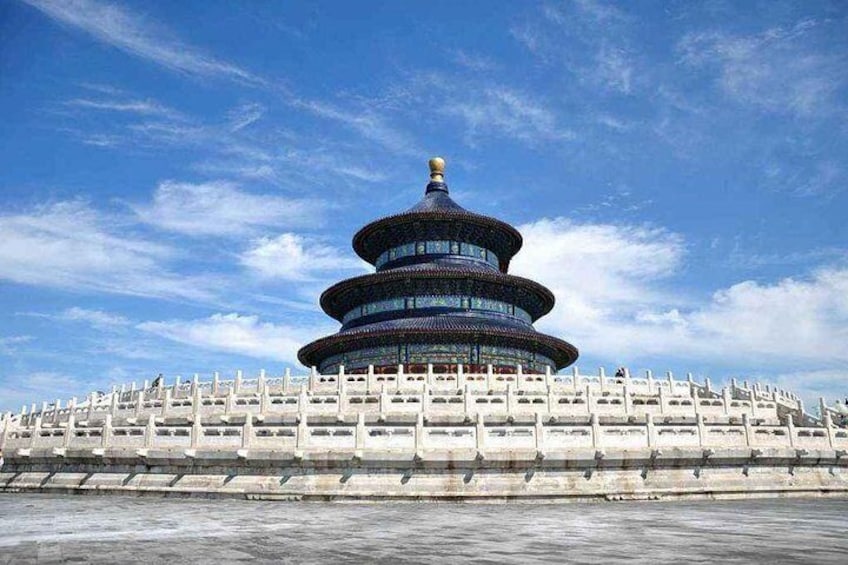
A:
(441, 295)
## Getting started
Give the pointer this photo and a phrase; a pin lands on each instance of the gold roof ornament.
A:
(437, 169)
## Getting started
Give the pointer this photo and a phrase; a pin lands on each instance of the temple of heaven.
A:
(441, 295)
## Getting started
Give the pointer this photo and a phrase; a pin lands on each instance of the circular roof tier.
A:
(437, 217)
(438, 330)
(531, 296)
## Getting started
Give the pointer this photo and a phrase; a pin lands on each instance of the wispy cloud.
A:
(140, 107)
(473, 61)
(244, 115)
(9, 344)
(368, 122)
(71, 246)
(505, 112)
(96, 318)
(781, 70)
(222, 208)
(235, 333)
(294, 257)
(563, 33)
(116, 26)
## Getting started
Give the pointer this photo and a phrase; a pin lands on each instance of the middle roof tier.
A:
(470, 289)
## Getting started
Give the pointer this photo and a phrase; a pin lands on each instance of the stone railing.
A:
(411, 433)
(423, 411)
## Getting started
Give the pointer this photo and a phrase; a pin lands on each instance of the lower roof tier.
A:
(438, 340)
(531, 297)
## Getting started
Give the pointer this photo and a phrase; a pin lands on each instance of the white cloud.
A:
(9, 344)
(221, 208)
(68, 245)
(567, 32)
(132, 33)
(142, 107)
(779, 70)
(234, 333)
(96, 318)
(367, 122)
(611, 282)
(498, 110)
(244, 115)
(293, 257)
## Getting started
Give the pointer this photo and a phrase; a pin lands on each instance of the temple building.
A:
(441, 295)
(436, 387)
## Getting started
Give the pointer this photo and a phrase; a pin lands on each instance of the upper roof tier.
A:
(436, 217)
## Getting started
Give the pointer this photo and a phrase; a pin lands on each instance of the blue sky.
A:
(181, 180)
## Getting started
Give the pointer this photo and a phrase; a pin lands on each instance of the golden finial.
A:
(437, 169)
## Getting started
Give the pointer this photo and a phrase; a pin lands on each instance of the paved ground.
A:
(110, 529)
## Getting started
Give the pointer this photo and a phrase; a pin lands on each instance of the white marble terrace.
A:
(419, 412)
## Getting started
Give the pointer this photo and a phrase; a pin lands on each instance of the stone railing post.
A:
(662, 398)
(510, 400)
(139, 403)
(425, 397)
(216, 383)
(7, 425)
(360, 431)
(36, 433)
(196, 432)
(649, 424)
(302, 400)
(596, 430)
(69, 431)
(590, 407)
(265, 402)
(726, 400)
(749, 432)
(419, 434)
(106, 433)
(150, 431)
(703, 437)
(551, 401)
(230, 402)
(549, 378)
(539, 433)
(237, 383)
(113, 406)
(260, 382)
(91, 400)
(58, 405)
(302, 431)
(466, 399)
(196, 401)
(649, 376)
(480, 432)
(628, 400)
(166, 402)
(489, 376)
(247, 432)
(286, 380)
(313, 377)
(790, 428)
(828, 425)
(384, 401)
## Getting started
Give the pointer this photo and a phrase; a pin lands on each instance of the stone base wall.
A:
(446, 476)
